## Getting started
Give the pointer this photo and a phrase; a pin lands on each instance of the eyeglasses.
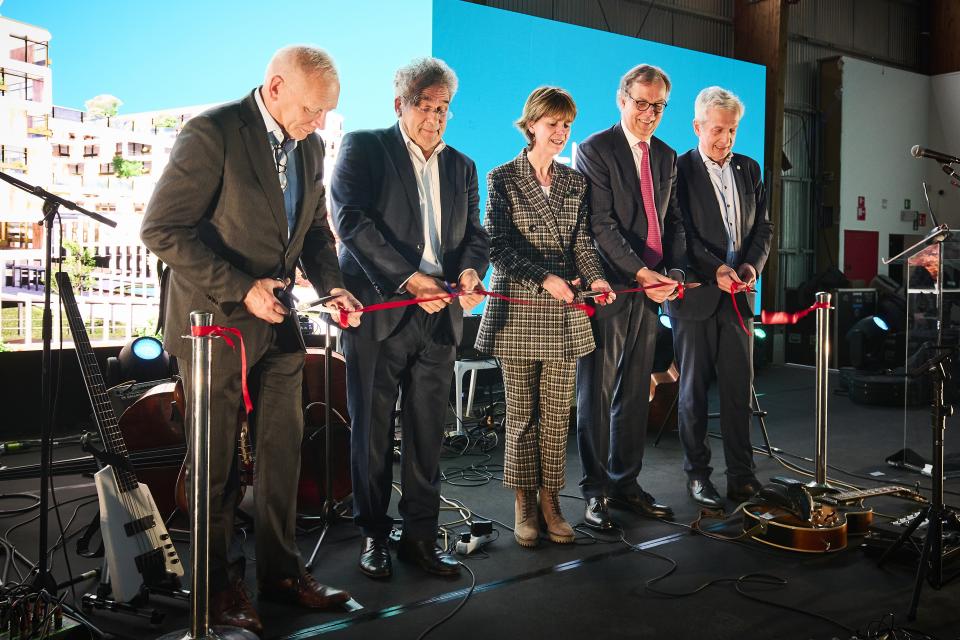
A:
(280, 151)
(643, 105)
(442, 113)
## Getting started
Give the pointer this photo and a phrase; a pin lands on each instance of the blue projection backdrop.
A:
(501, 56)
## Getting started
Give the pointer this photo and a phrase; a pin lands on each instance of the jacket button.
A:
(419, 246)
(533, 227)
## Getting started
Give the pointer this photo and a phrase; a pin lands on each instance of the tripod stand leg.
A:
(922, 569)
(917, 521)
(316, 547)
(666, 419)
(760, 415)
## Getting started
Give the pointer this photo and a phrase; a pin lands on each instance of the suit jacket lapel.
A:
(534, 193)
(713, 226)
(401, 161)
(254, 135)
(624, 157)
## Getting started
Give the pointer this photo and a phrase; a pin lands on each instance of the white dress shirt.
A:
(427, 173)
(634, 143)
(725, 189)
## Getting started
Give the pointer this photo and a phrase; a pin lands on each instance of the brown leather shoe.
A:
(231, 607)
(304, 591)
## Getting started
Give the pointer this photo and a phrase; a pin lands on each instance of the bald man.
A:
(240, 204)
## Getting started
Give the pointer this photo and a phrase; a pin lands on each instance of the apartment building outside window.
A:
(106, 169)
(91, 150)
(39, 126)
(30, 51)
(138, 148)
(75, 169)
(60, 150)
(13, 158)
(18, 85)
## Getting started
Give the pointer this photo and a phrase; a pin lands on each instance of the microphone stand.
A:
(43, 580)
(936, 513)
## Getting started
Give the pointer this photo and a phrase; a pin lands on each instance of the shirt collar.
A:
(413, 148)
(632, 140)
(710, 162)
(273, 127)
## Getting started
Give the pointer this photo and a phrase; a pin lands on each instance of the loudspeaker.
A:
(850, 306)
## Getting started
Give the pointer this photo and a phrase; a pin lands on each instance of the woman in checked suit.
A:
(541, 250)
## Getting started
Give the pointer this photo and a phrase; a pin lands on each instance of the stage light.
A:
(140, 360)
(759, 333)
(865, 339)
(665, 321)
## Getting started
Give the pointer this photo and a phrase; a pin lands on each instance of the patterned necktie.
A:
(653, 251)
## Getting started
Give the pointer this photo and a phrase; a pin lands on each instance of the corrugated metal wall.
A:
(884, 31)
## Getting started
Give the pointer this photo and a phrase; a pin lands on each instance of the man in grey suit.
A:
(636, 226)
(239, 204)
(406, 209)
(728, 234)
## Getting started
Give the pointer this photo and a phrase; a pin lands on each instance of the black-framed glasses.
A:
(643, 105)
(280, 151)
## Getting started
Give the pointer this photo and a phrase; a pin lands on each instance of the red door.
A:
(860, 255)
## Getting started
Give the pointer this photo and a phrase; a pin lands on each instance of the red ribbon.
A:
(394, 304)
(216, 331)
(783, 317)
(737, 287)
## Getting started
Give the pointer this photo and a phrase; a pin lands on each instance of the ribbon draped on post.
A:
(216, 331)
(783, 317)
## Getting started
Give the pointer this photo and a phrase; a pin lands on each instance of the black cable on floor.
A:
(446, 618)
(19, 496)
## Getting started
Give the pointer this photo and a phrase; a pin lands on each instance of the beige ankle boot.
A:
(525, 528)
(558, 528)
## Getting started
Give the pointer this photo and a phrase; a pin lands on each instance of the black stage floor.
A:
(597, 587)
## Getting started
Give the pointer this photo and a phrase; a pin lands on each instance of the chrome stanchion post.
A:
(199, 403)
(823, 365)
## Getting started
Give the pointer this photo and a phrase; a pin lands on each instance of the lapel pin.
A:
(738, 167)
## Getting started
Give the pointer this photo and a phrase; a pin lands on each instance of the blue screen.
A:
(501, 56)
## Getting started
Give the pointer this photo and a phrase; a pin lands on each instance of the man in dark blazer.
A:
(637, 229)
(406, 210)
(728, 234)
(239, 204)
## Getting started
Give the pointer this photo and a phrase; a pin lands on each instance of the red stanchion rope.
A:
(783, 317)
(216, 331)
(586, 308)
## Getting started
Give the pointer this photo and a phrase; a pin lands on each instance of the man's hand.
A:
(748, 274)
(470, 281)
(345, 300)
(604, 287)
(262, 303)
(727, 278)
(423, 286)
(558, 288)
(647, 277)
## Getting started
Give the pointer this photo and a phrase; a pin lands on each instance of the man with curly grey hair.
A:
(406, 209)
(728, 232)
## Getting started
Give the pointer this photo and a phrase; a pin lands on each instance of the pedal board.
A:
(883, 534)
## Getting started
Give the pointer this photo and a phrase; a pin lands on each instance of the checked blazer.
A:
(531, 236)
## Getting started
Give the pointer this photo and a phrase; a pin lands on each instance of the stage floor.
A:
(598, 586)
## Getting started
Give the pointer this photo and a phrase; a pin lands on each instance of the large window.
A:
(21, 86)
(13, 158)
(91, 150)
(26, 50)
(61, 150)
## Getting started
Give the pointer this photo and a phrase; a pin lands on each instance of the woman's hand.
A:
(558, 288)
(603, 287)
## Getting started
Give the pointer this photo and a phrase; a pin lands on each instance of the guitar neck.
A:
(103, 414)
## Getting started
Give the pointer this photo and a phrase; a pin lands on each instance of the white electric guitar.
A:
(138, 548)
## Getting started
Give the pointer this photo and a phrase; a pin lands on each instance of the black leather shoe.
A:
(703, 492)
(426, 554)
(743, 489)
(375, 558)
(597, 515)
(642, 503)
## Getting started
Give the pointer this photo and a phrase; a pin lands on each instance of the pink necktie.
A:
(653, 252)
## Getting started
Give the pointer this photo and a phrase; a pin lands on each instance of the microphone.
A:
(919, 152)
